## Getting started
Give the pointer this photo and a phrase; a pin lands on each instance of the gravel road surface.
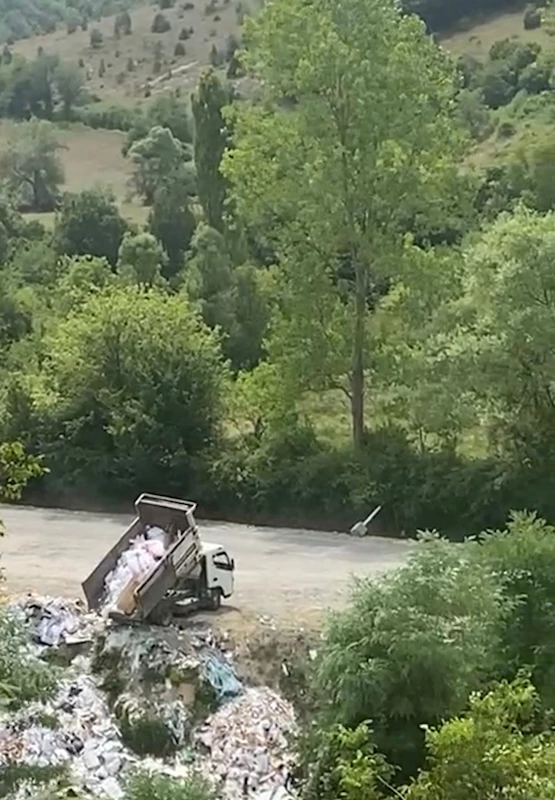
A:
(279, 572)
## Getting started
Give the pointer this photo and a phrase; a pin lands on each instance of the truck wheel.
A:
(214, 599)
(161, 616)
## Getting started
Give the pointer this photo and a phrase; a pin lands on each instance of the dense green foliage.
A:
(143, 401)
(437, 657)
(491, 751)
(433, 625)
(342, 275)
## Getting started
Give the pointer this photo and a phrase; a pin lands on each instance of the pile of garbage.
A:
(247, 742)
(162, 698)
(53, 621)
(74, 730)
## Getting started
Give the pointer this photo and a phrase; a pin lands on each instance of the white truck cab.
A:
(219, 569)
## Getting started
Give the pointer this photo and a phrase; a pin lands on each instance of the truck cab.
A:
(218, 569)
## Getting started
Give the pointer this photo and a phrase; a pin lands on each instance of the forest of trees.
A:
(301, 271)
(331, 306)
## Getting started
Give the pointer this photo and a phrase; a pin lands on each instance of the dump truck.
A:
(191, 574)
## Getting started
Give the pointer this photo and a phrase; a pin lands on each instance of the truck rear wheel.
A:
(213, 599)
(161, 615)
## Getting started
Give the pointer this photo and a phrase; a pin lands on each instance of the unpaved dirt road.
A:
(280, 572)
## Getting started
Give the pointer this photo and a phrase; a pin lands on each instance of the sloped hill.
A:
(122, 66)
(477, 40)
(23, 18)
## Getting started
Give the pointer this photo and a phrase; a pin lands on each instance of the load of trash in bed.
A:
(144, 552)
(162, 699)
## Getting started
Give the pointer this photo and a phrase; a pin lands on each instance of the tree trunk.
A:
(357, 369)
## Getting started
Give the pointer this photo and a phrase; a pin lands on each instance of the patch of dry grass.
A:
(478, 40)
(91, 158)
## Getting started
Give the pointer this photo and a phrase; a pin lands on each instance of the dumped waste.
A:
(247, 741)
(165, 699)
(134, 563)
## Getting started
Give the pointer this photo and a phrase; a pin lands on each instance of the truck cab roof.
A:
(211, 549)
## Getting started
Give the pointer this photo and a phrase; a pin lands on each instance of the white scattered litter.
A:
(247, 742)
(243, 747)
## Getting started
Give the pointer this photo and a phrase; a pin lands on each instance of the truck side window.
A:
(221, 561)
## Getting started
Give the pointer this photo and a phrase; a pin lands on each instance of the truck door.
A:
(219, 572)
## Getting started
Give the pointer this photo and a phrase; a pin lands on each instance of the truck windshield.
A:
(221, 561)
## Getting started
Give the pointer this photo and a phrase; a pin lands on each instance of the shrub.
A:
(155, 428)
(411, 647)
(113, 118)
(523, 557)
(165, 4)
(216, 57)
(156, 786)
(89, 223)
(492, 745)
(532, 18)
(96, 38)
(498, 87)
(535, 78)
(179, 49)
(160, 24)
(342, 763)
(184, 34)
(506, 130)
(22, 679)
(123, 24)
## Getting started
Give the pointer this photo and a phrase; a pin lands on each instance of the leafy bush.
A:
(498, 87)
(473, 114)
(114, 118)
(341, 762)
(411, 647)
(532, 18)
(23, 677)
(154, 786)
(505, 130)
(523, 557)
(89, 223)
(491, 746)
(96, 38)
(535, 78)
(160, 24)
(130, 393)
(17, 468)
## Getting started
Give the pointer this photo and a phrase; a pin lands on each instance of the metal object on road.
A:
(361, 528)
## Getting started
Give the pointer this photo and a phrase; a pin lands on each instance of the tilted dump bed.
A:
(181, 558)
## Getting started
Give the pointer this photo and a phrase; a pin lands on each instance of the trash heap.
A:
(161, 680)
(53, 621)
(247, 742)
(74, 730)
(164, 699)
